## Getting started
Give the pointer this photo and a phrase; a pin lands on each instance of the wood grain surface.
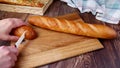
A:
(51, 46)
(109, 57)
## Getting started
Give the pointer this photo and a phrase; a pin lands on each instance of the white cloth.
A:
(104, 10)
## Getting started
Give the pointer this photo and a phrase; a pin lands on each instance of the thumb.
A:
(13, 49)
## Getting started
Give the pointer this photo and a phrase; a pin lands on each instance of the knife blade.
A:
(20, 39)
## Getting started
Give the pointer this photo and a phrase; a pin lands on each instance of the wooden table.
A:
(109, 57)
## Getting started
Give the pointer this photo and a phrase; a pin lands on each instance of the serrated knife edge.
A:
(20, 39)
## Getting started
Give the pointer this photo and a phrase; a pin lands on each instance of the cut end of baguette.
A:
(30, 33)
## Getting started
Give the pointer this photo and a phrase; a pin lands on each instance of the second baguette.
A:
(78, 28)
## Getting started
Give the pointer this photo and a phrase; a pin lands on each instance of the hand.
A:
(6, 25)
(8, 56)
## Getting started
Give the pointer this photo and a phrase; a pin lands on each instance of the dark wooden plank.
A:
(1, 14)
(81, 61)
(59, 8)
(65, 9)
(14, 15)
(108, 57)
(53, 9)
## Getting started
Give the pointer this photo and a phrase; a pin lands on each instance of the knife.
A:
(20, 39)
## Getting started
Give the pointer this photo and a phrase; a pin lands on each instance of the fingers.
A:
(9, 49)
(13, 49)
(8, 56)
(6, 27)
(14, 22)
(13, 38)
(10, 37)
(14, 57)
(17, 22)
(13, 53)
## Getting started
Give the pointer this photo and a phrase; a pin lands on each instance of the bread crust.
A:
(77, 28)
(33, 3)
(30, 33)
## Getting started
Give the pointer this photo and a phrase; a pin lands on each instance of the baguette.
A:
(30, 33)
(78, 28)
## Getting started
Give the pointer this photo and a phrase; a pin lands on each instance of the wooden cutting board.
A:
(26, 9)
(51, 46)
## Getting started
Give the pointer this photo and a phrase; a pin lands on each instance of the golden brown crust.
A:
(78, 28)
(30, 33)
(33, 3)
